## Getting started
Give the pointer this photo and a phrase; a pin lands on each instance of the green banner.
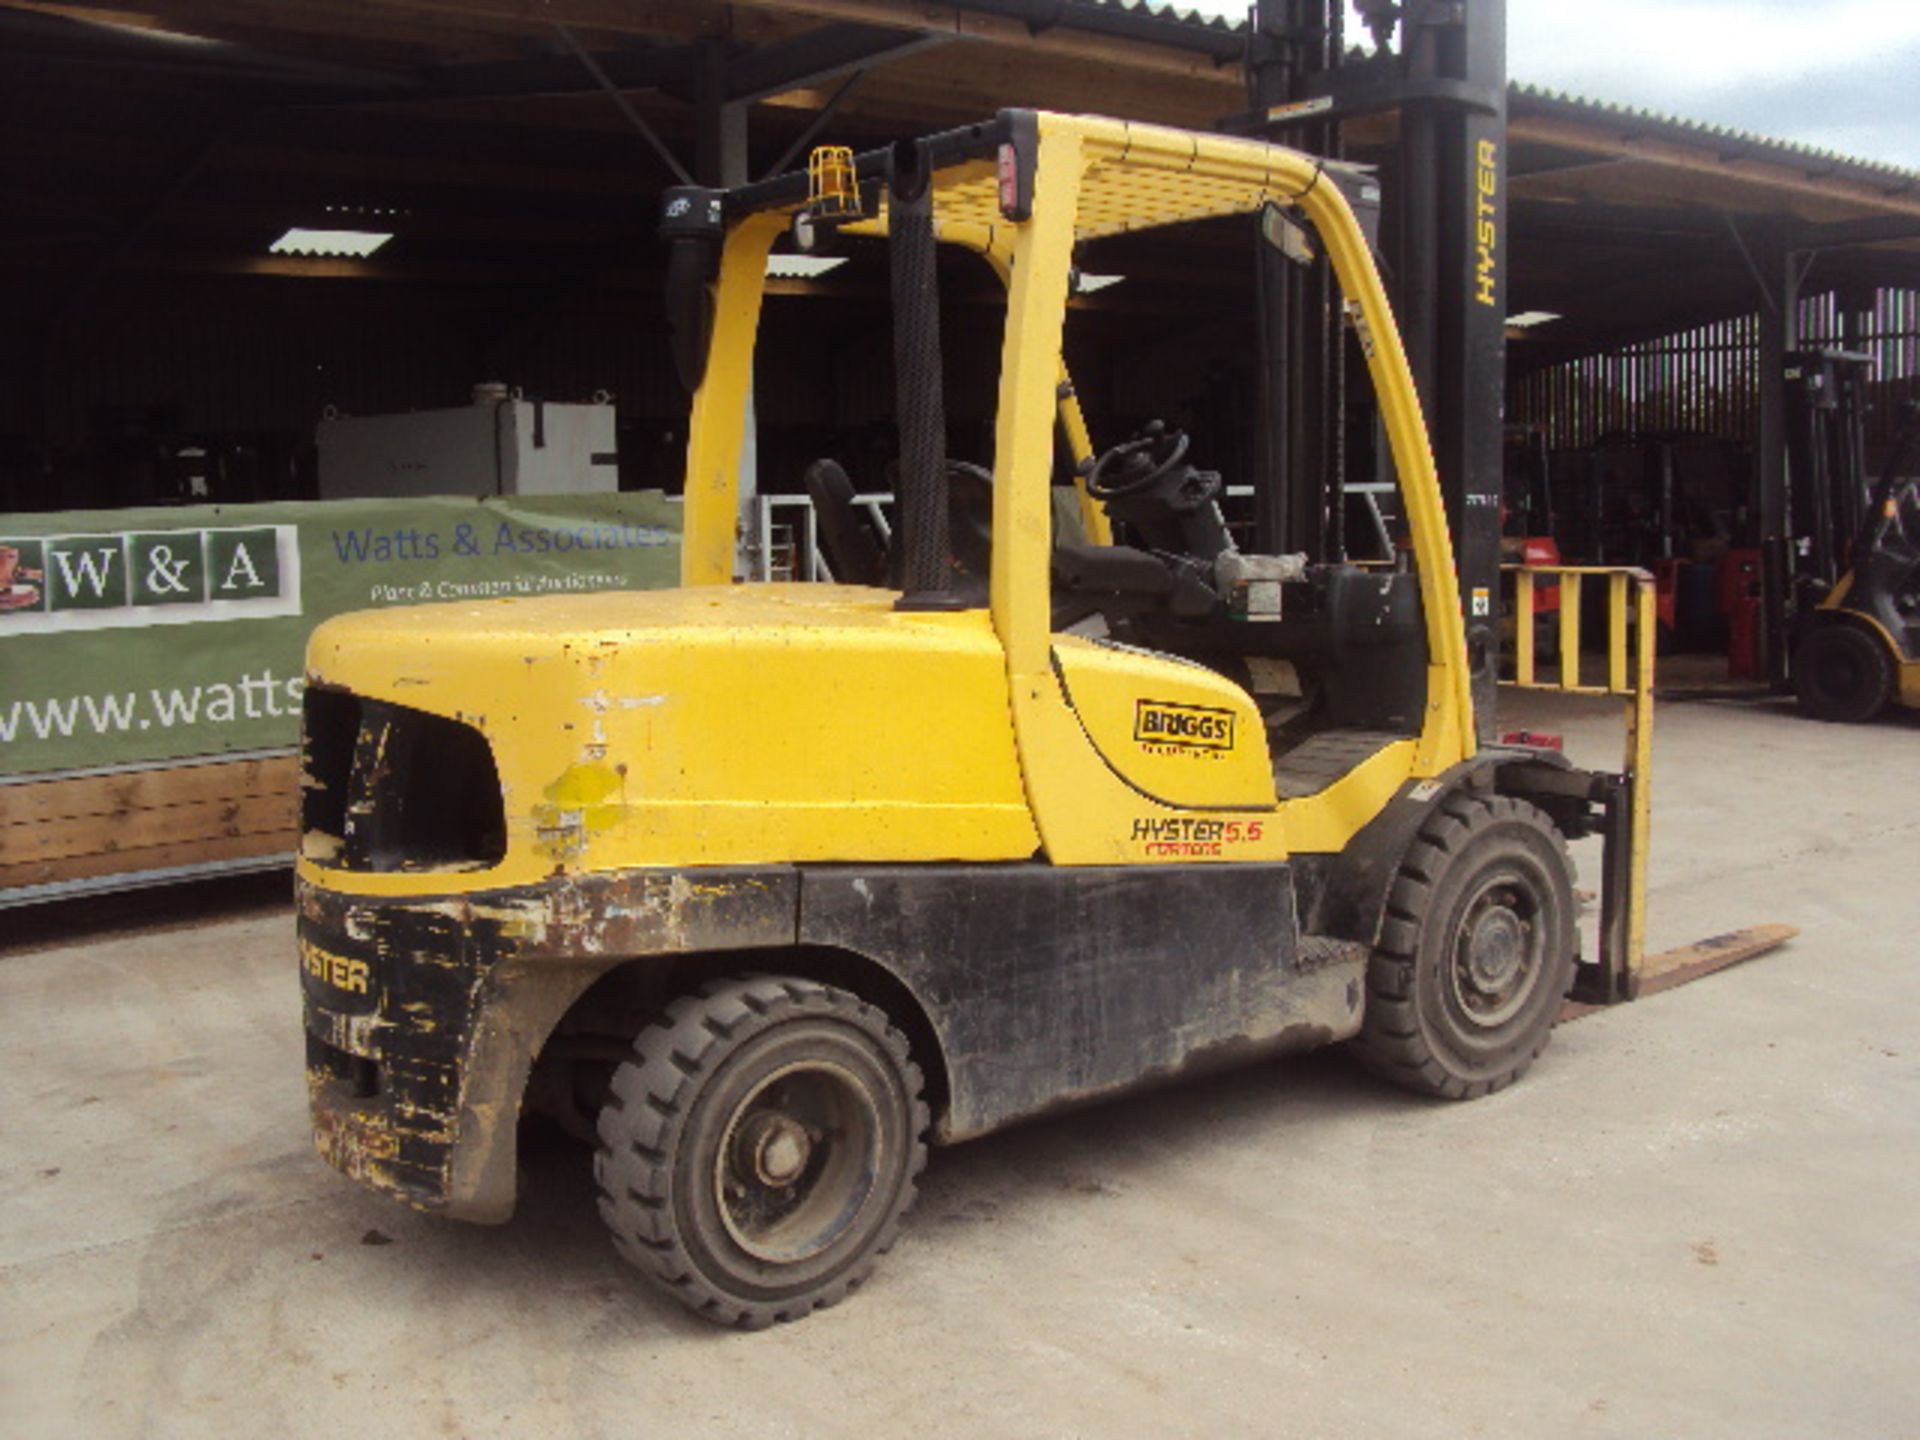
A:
(155, 634)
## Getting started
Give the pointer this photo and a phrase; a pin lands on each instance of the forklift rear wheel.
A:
(1842, 673)
(1475, 952)
(758, 1150)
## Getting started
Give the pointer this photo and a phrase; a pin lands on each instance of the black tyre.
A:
(758, 1150)
(1840, 672)
(1476, 951)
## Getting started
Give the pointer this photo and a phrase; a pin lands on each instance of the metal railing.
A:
(1629, 599)
(782, 552)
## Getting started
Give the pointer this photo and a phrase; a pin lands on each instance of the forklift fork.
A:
(1625, 799)
(1620, 970)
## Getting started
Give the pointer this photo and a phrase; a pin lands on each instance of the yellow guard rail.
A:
(1628, 594)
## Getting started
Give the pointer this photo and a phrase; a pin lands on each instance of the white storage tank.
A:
(501, 444)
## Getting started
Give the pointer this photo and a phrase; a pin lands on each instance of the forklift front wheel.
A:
(758, 1150)
(1475, 952)
(1842, 673)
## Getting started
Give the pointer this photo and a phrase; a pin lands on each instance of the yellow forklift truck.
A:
(1859, 644)
(770, 886)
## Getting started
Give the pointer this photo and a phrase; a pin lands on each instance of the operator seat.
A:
(853, 551)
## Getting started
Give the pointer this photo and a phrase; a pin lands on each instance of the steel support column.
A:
(1779, 334)
(1447, 206)
(1270, 81)
(1468, 382)
(1294, 41)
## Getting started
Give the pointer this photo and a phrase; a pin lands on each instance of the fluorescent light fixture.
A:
(802, 267)
(1527, 319)
(354, 243)
(148, 33)
(1086, 284)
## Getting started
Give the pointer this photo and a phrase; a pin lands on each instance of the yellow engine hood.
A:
(712, 725)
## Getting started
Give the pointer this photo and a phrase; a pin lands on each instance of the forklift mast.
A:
(1441, 66)
(1826, 409)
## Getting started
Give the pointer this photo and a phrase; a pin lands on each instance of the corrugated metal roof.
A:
(1179, 26)
(1732, 144)
(1746, 143)
(1184, 14)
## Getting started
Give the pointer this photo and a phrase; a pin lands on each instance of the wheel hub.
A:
(1496, 954)
(1495, 950)
(1839, 674)
(798, 1162)
(774, 1149)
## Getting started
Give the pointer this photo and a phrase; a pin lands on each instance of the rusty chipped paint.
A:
(1048, 984)
(441, 1037)
(466, 987)
(585, 800)
(321, 848)
(351, 1140)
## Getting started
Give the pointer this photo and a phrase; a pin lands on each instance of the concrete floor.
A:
(1696, 1216)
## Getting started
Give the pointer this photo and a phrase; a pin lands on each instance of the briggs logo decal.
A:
(1160, 725)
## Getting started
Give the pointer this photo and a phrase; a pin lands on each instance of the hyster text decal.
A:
(1485, 229)
(335, 970)
(1160, 726)
(1186, 836)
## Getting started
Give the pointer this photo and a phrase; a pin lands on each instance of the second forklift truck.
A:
(772, 885)
(1857, 581)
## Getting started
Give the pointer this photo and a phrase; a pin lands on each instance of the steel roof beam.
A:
(639, 67)
(819, 56)
(816, 57)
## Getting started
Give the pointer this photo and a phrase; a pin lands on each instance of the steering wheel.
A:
(1132, 466)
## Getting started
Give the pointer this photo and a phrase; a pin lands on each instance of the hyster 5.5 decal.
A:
(1163, 728)
(1191, 838)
